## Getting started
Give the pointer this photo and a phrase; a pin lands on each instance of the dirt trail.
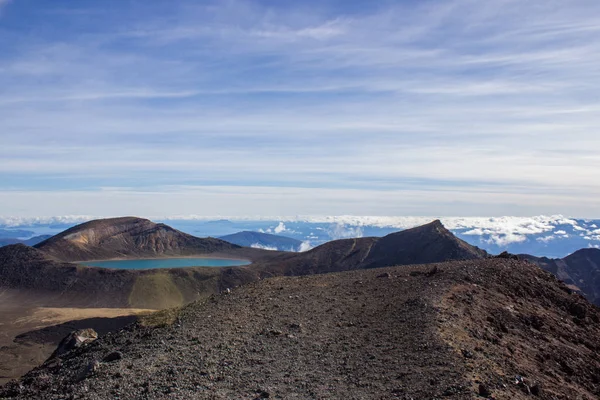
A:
(453, 330)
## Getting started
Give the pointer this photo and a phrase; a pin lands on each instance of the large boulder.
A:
(74, 340)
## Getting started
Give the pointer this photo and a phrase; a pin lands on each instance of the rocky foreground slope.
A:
(496, 328)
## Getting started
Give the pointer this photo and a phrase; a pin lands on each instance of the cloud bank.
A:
(497, 230)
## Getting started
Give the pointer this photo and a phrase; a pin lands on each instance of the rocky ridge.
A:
(498, 328)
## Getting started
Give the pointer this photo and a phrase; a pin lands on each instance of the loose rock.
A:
(114, 356)
(74, 340)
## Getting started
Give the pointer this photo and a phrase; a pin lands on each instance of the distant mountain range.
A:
(265, 241)
(14, 233)
(542, 236)
(550, 236)
(29, 242)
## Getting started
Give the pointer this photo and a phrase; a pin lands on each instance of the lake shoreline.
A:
(166, 263)
(216, 257)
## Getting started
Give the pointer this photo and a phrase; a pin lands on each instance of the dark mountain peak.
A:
(435, 227)
(264, 240)
(29, 242)
(254, 233)
(429, 230)
(424, 244)
(435, 224)
(427, 243)
(421, 234)
(587, 252)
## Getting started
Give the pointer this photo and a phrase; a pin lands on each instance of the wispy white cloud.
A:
(280, 228)
(8, 221)
(546, 239)
(323, 31)
(260, 201)
(264, 247)
(342, 231)
(89, 95)
(305, 246)
(501, 232)
(456, 101)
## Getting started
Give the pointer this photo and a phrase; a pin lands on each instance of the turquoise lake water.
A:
(166, 263)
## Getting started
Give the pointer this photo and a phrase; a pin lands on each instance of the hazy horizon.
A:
(552, 236)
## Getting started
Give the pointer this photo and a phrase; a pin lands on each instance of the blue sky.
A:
(283, 108)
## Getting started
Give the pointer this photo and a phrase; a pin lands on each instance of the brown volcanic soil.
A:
(28, 330)
(417, 332)
(31, 348)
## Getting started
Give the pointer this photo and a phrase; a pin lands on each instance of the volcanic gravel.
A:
(400, 332)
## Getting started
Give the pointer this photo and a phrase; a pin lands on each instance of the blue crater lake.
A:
(166, 263)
